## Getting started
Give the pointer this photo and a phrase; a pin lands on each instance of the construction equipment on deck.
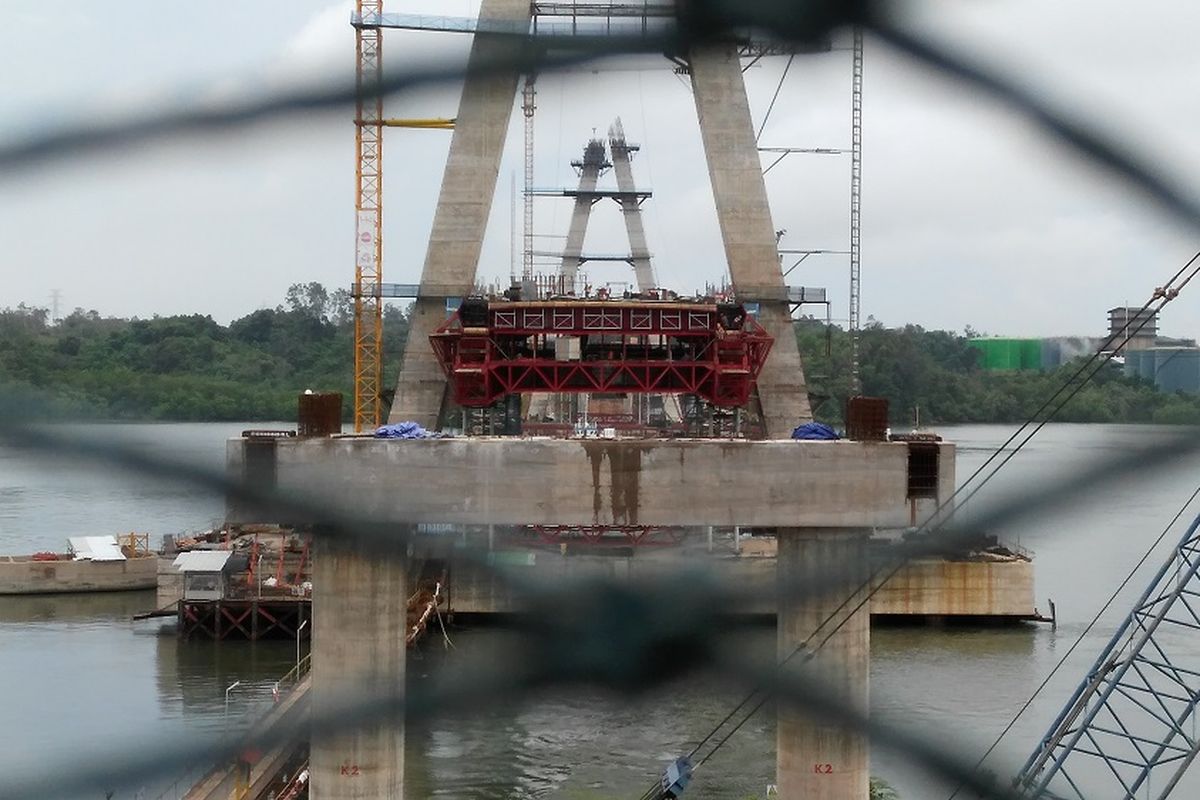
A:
(494, 348)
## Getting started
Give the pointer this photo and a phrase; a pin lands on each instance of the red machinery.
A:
(602, 535)
(491, 348)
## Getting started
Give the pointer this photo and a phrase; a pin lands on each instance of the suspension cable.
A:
(1158, 299)
(774, 97)
(1163, 295)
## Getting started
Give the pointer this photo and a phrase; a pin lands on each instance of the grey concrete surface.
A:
(747, 229)
(460, 219)
(584, 482)
(581, 213)
(816, 759)
(358, 647)
(631, 208)
(21, 575)
(935, 588)
(923, 588)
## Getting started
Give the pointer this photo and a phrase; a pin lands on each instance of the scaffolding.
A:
(528, 107)
(855, 207)
(491, 350)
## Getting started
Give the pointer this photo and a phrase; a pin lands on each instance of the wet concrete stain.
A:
(625, 471)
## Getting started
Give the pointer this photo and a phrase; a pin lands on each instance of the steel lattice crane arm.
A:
(1129, 729)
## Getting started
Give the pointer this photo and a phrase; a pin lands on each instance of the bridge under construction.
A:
(734, 355)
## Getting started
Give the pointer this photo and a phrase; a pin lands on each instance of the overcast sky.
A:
(970, 217)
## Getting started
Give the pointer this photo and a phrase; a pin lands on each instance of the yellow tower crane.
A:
(368, 205)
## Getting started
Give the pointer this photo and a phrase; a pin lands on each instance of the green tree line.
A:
(938, 374)
(188, 368)
(191, 368)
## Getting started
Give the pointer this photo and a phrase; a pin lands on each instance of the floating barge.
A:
(92, 564)
(226, 596)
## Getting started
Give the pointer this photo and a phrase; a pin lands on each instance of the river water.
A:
(80, 678)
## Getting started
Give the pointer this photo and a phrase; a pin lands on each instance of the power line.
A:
(774, 97)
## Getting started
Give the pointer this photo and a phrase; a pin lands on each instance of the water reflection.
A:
(74, 608)
(193, 676)
(84, 677)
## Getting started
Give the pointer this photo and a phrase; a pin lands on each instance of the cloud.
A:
(323, 49)
(970, 215)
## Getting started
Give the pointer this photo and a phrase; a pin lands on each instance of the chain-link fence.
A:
(629, 638)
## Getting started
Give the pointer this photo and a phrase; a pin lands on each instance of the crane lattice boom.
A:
(1129, 730)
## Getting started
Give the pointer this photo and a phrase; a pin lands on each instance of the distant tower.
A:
(590, 168)
(55, 300)
(631, 204)
(593, 164)
(1132, 328)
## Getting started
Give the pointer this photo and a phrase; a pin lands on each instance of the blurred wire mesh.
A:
(577, 645)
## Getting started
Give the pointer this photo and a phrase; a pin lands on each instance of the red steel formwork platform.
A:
(493, 348)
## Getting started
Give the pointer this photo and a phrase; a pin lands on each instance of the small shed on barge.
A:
(205, 573)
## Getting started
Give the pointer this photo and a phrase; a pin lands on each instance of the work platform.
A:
(622, 24)
(491, 349)
(250, 618)
(976, 591)
(519, 481)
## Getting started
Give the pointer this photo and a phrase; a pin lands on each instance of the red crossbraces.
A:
(608, 535)
(492, 349)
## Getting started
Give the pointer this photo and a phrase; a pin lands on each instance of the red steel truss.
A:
(493, 348)
(604, 535)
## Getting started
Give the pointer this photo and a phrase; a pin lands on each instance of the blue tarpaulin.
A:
(405, 430)
(815, 430)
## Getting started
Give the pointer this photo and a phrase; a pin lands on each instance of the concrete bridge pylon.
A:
(468, 188)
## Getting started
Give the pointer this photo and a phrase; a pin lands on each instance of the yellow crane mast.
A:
(369, 289)
(368, 205)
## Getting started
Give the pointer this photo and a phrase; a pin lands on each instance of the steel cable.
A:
(1163, 295)
(774, 97)
(1087, 629)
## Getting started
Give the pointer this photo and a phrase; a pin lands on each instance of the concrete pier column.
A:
(360, 603)
(816, 760)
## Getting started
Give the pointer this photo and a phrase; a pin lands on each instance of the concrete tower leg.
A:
(744, 215)
(817, 760)
(459, 222)
(360, 604)
(590, 167)
(631, 208)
